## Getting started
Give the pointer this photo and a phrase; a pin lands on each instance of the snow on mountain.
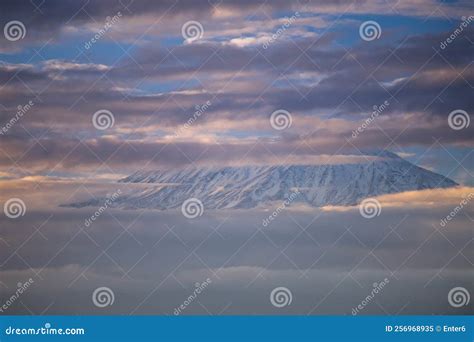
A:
(255, 186)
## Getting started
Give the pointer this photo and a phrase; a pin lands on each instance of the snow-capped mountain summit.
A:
(254, 186)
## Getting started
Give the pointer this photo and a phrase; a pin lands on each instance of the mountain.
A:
(254, 186)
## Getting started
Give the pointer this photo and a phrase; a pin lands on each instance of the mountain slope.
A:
(252, 186)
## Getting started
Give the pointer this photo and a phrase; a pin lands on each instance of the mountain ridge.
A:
(245, 187)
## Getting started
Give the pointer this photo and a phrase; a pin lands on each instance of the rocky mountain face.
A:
(256, 186)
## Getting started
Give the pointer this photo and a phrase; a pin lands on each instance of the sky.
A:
(197, 82)
(93, 91)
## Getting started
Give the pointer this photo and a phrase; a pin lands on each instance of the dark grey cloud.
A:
(430, 81)
(243, 274)
(45, 20)
(127, 155)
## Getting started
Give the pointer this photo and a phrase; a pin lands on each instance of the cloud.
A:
(330, 265)
(421, 199)
(58, 65)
